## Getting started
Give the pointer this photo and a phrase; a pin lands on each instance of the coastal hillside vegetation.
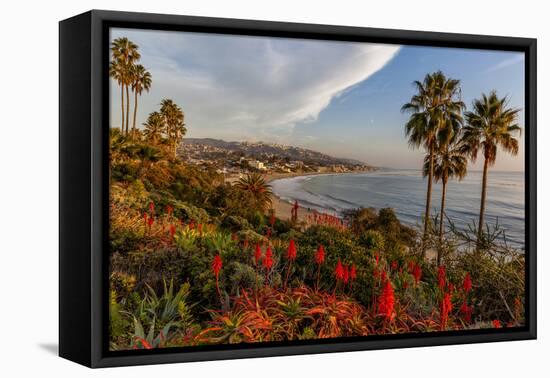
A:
(196, 259)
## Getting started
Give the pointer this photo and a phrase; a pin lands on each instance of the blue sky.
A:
(340, 98)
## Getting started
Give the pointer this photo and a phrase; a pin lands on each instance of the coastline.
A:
(283, 208)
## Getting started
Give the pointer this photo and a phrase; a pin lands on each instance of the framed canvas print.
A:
(233, 188)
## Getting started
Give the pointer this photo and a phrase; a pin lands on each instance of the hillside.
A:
(208, 148)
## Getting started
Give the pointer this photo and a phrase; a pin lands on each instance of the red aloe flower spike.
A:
(320, 255)
(291, 252)
(169, 210)
(152, 207)
(268, 259)
(384, 276)
(216, 268)
(339, 271)
(441, 277)
(394, 265)
(496, 324)
(417, 273)
(245, 243)
(150, 221)
(446, 308)
(346, 274)
(386, 301)
(257, 254)
(353, 272)
(291, 256)
(199, 227)
(145, 218)
(172, 230)
(466, 312)
(377, 257)
(467, 284)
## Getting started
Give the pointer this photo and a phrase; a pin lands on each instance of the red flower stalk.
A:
(145, 218)
(377, 257)
(496, 323)
(245, 243)
(446, 308)
(339, 271)
(172, 230)
(268, 259)
(384, 276)
(272, 219)
(353, 272)
(257, 254)
(346, 275)
(291, 252)
(169, 210)
(467, 284)
(441, 277)
(393, 265)
(216, 268)
(152, 207)
(466, 312)
(291, 256)
(199, 227)
(386, 302)
(319, 260)
(320, 255)
(417, 273)
(150, 221)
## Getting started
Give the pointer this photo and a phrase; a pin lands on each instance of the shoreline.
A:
(283, 208)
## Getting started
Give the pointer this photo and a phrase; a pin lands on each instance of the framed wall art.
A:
(234, 188)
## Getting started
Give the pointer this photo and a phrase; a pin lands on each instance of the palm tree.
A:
(154, 127)
(449, 162)
(257, 187)
(435, 119)
(141, 81)
(490, 125)
(175, 126)
(116, 71)
(125, 54)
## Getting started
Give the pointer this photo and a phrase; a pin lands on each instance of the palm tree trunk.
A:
(135, 112)
(428, 202)
(127, 108)
(441, 216)
(122, 107)
(483, 198)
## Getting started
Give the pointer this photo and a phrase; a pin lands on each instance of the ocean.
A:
(405, 192)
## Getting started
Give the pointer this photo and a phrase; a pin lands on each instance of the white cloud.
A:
(517, 58)
(249, 87)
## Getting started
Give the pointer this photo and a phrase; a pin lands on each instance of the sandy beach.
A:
(283, 208)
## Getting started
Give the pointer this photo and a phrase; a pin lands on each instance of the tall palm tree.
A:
(116, 71)
(125, 54)
(141, 81)
(174, 120)
(449, 162)
(490, 125)
(435, 118)
(257, 187)
(154, 127)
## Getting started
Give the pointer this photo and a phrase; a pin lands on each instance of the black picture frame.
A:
(83, 181)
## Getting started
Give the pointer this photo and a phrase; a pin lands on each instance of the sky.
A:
(340, 98)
